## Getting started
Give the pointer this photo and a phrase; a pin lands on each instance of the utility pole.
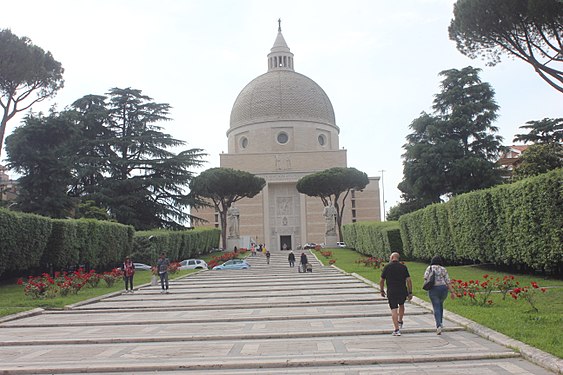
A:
(382, 194)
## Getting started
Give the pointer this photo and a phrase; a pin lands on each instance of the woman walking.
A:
(128, 272)
(291, 259)
(439, 291)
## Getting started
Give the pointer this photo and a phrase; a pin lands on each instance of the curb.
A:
(23, 314)
(534, 355)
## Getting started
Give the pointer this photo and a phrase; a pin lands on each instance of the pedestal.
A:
(232, 242)
(330, 241)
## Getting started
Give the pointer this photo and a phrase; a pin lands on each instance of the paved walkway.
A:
(269, 319)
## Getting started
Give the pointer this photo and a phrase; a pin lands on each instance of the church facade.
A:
(283, 127)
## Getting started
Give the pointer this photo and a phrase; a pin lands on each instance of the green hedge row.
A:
(378, 239)
(87, 241)
(519, 224)
(23, 238)
(177, 245)
(31, 242)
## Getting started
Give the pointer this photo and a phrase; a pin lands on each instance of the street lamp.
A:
(382, 194)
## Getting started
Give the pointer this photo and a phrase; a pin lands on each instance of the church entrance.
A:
(285, 242)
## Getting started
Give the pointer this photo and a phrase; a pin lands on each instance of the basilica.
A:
(283, 127)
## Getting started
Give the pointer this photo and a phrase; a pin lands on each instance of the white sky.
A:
(378, 61)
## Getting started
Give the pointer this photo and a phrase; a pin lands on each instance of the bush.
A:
(377, 239)
(517, 225)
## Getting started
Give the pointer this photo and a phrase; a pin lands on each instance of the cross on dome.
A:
(280, 56)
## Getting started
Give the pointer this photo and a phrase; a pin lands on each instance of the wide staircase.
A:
(269, 319)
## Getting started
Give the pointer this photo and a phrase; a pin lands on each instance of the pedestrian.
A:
(303, 262)
(439, 291)
(399, 289)
(162, 266)
(128, 272)
(268, 256)
(291, 259)
(253, 249)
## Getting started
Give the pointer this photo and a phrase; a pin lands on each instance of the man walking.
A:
(399, 289)
(162, 266)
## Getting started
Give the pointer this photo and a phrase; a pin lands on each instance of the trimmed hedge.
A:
(519, 224)
(178, 245)
(23, 238)
(378, 239)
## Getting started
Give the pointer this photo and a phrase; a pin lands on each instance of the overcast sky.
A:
(378, 61)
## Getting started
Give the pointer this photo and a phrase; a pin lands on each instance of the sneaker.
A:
(439, 330)
(397, 332)
(400, 325)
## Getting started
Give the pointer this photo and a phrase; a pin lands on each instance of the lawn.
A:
(516, 319)
(14, 300)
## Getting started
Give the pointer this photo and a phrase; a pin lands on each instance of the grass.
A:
(14, 300)
(515, 319)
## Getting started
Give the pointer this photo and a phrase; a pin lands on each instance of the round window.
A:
(244, 142)
(322, 139)
(283, 138)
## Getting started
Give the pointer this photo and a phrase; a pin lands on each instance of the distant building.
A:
(282, 128)
(511, 158)
(8, 187)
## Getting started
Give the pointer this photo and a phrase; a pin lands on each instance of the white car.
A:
(193, 264)
(340, 244)
(142, 267)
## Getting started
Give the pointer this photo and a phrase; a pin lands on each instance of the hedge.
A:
(178, 245)
(23, 238)
(378, 239)
(86, 241)
(518, 225)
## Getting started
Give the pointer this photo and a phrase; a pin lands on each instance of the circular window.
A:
(283, 138)
(244, 142)
(322, 139)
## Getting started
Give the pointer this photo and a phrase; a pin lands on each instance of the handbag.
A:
(429, 283)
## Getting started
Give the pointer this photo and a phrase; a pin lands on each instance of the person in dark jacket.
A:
(162, 266)
(291, 259)
(304, 262)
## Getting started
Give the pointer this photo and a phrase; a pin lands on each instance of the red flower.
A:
(20, 281)
(543, 290)
(535, 285)
(485, 276)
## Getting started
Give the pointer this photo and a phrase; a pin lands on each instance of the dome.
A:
(282, 95)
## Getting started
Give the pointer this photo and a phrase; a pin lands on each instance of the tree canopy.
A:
(42, 150)
(546, 152)
(224, 186)
(28, 75)
(531, 30)
(333, 186)
(453, 150)
(118, 157)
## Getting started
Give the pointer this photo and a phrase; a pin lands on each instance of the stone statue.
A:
(233, 221)
(330, 220)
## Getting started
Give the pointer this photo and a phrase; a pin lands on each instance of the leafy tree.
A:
(452, 151)
(126, 167)
(333, 186)
(530, 30)
(41, 150)
(548, 130)
(28, 75)
(224, 186)
(546, 153)
(539, 158)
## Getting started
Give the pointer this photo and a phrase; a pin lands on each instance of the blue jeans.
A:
(438, 295)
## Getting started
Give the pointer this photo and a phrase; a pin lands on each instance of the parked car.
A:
(193, 264)
(341, 244)
(142, 267)
(310, 245)
(233, 264)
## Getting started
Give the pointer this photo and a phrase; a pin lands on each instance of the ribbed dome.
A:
(282, 95)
